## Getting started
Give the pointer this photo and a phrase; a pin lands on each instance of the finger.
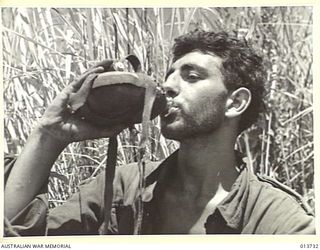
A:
(79, 98)
(66, 98)
(100, 67)
(57, 106)
(76, 84)
(61, 100)
(86, 86)
(106, 64)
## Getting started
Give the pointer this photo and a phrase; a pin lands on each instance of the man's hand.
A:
(57, 128)
(59, 121)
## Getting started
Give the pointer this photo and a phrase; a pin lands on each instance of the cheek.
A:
(210, 106)
(206, 98)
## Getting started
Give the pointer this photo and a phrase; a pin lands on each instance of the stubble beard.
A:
(200, 120)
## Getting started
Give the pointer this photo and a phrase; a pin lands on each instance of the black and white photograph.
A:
(158, 121)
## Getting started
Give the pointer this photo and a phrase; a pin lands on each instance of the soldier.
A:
(214, 91)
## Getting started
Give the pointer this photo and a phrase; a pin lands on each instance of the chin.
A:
(182, 131)
(172, 135)
(171, 131)
(176, 131)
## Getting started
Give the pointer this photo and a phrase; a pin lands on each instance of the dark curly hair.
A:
(241, 67)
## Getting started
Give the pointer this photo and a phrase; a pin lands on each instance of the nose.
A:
(171, 86)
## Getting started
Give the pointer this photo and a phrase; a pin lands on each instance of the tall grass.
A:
(45, 48)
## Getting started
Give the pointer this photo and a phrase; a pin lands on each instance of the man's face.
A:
(196, 96)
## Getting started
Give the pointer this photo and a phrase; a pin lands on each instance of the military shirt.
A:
(254, 205)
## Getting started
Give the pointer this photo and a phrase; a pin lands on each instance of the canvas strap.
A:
(150, 95)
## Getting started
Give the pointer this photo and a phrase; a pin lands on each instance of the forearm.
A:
(58, 127)
(31, 171)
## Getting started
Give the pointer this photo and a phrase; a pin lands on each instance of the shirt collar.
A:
(229, 212)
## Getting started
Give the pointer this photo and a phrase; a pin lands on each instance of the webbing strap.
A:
(149, 98)
(109, 176)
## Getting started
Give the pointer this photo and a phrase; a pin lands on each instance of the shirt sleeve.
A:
(31, 220)
(274, 211)
(285, 216)
(295, 220)
(294, 215)
(81, 214)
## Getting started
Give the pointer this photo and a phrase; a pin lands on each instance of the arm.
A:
(57, 128)
(30, 171)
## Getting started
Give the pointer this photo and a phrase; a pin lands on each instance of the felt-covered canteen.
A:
(119, 97)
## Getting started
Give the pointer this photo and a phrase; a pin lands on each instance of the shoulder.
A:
(278, 208)
(283, 190)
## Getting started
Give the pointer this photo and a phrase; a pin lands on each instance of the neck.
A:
(207, 161)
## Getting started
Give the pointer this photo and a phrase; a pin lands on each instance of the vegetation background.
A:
(45, 48)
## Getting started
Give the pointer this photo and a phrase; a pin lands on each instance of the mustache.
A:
(172, 104)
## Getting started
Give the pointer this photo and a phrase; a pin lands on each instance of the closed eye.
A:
(193, 73)
(193, 76)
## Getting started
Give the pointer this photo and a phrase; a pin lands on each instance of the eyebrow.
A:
(189, 66)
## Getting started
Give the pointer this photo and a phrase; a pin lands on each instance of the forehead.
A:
(208, 61)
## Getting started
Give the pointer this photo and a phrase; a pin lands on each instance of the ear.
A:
(238, 102)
